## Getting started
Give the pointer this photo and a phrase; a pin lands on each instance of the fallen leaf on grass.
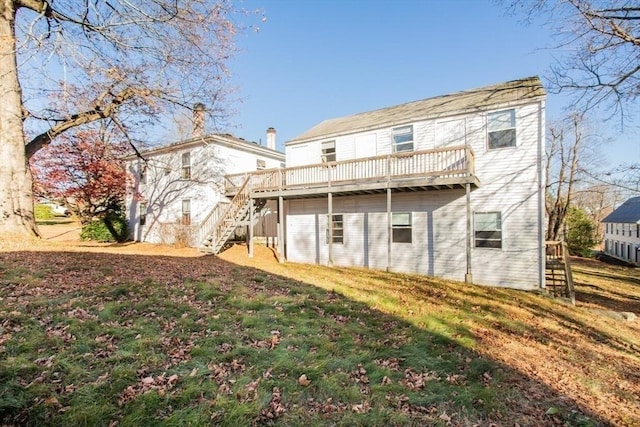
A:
(303, 380)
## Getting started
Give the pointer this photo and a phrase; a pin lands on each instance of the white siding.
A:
(510, 184)
(165, 189)
(624, 237)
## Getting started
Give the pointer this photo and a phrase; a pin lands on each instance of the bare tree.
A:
(598, 46)
(65, 64)
(598, 201)
(570, 151)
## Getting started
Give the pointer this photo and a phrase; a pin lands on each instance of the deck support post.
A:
(280, 229)
(468, 278)
(251, 227)
(389, 229)
(330, 227)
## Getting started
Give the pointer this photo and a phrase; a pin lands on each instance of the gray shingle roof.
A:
(471, 100)
(628, 212)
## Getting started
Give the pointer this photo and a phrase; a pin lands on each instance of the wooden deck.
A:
(444, 168)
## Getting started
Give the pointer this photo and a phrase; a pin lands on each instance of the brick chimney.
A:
(198, 120)
(271, 138)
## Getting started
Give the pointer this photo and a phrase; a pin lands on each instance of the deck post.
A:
(468, 278)
(330, 226)
(280, 229)
(250, 227)
(389, 229)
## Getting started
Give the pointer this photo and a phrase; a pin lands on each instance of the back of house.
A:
(451, 186)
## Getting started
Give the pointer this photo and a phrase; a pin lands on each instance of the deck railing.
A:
(443, 162)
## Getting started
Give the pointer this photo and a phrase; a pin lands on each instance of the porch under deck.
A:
(437, 169)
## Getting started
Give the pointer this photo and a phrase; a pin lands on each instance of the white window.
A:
(260, 164)
(186, 165)
(143, 213)
(501, 126)
(186, 212)
(403, 139)
(328, 151)
(401, 227)
(143, 173)
(488, 229)
(337, 229)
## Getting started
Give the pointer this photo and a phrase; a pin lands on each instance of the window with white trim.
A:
(143, 213)
(336, 225)
(501, 127)
(143, 173)
(488, 229)
(402, 138)
(261, 164)
(186, 165)
(401, 228)
(328, 151)
(186, 212)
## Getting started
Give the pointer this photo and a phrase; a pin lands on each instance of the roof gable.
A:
(227, 140)
(628, 212)
(471, 100)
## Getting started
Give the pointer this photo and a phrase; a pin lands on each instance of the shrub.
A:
(112, 228)
(178, 235)
(43, 212)
(581, 234)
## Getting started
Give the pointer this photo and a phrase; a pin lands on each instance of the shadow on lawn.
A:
(92, 279)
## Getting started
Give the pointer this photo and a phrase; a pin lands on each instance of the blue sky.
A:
(315, 60)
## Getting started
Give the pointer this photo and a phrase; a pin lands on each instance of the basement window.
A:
(401, 227)
(186, 165)
(488, 230)
(186, 212)
(501, 126)
(403, 139)
(336, 225)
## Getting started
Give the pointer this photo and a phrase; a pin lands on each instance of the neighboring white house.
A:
(451, 186)
(622, 232)
(174, 188)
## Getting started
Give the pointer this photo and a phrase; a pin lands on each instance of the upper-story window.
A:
(403, 138)
(328, 151)
(143, 173)
(501, 126)
(261, 164)
(186, 165)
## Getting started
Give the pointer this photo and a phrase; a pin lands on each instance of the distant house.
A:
(177, 190)
(622, 232)
(451, 186)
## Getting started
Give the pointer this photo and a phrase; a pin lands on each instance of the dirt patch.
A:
(60, 231)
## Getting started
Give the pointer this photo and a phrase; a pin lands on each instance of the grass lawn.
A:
(94, 338)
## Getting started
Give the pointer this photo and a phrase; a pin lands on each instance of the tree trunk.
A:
(16, 197)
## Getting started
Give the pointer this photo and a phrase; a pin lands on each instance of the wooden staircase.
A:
(225, 217)
(558, 276)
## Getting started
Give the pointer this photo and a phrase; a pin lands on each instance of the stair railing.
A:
(229, 217)
(209, 222)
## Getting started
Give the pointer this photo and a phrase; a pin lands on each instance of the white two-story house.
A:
(176, 191)
(622, 232)
(451, 186)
